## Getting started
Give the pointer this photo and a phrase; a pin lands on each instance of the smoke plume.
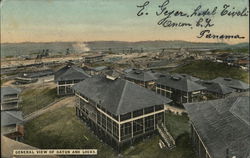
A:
(81, 47)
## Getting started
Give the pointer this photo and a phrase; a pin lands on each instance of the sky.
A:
(105, 20)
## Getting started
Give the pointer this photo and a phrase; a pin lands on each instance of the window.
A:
(115, 130)
(149, 123)
(69, 82)
(149, 110)
(125, 116)
(98, 118)
(158, 91)
(126, 131)
(62, 90)
(69, 90)
(159, 117)
(103, 121)
(158, 107)
(109, 125)
(61, 82)
(138, 127)
(137, 113)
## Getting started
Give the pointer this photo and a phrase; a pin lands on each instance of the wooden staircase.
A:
(167, 139)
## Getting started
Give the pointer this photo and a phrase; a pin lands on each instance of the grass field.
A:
(208, 70)
(179, 128)
(36, 98)
(61, 129)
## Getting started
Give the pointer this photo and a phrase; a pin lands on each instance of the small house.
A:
(10, 98)
(67, 76)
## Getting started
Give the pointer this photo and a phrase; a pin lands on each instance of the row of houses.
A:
(11, 116)
(183, 88)
(123, 109)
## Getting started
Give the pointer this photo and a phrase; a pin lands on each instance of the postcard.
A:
(125, 78)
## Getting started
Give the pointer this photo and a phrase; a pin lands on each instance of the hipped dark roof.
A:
(9, 90)
(223, 124)
(216, 87)
(180, 82)
(70, 72)
(118, 96)
(233, 83)
(192, 78)
(141, 75)
(11, 117)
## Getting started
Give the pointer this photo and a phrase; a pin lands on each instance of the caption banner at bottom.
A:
(56, 152)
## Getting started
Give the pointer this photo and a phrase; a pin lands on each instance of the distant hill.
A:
(27, 48)
(207, 70)
(240, 45)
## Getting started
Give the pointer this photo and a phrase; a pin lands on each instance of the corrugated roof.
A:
(70, 72)
(11, 117)
(223, 124)
(233, 83)
(179, 82)
(118, 96)
(9, 90)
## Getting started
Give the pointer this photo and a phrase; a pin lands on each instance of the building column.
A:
(143, 122)
(154, 122)
(119, 129)
(57, 88)
(112, 123)
(106, 123)
(132, 133)
(65, 89)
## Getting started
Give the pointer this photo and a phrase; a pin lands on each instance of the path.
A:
(68, 101)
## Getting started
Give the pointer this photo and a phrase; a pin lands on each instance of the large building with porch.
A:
(218, 90)
(221, 128)
(141, 77)
(238, 85)
(119, 111)
(181, 89)
(67, 76)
